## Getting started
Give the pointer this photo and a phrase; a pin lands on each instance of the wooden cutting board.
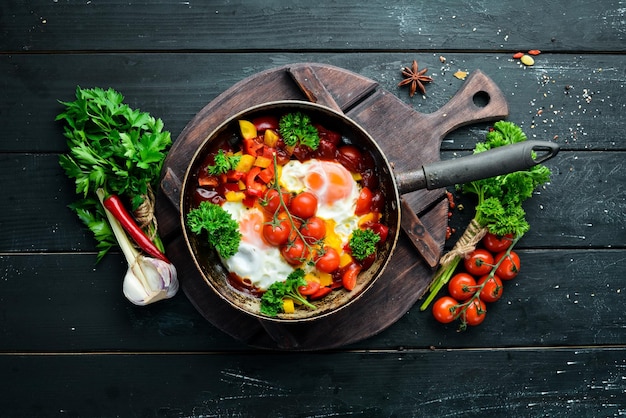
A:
(408, 138)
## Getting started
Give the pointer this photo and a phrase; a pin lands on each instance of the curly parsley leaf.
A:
(500, 198)
(223, 163)
(297, 129)
(272, 299)
(363, 243)
(222, 230)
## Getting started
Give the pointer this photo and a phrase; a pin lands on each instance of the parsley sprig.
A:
(297, 129)
(221, 229)
(272, 299)
(112, 147)
(223, 163)
(363, 243)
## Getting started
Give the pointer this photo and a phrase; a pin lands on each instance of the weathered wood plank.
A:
(302, 25)
(34, 214)
(570, 97)
(65, 303)
(549, 382)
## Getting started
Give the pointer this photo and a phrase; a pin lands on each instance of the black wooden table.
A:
(71, 345)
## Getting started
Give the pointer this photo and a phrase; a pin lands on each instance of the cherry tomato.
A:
(364, 202)
(277, 233)
(265, 122)
(349, 275)
(381, 230)
(295, 252)
(444, 309)
(475, 313)
(310, 288)
(350, 157)
(492, 290)
(378, 201)
(462, 286)
(496, 244)
(323, 291)
(329, 261)
(304, 205)
(313, 229)
(479, 262)
(509, 267)
(271, 201)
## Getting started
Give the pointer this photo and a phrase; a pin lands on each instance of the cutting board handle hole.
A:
(481, 99)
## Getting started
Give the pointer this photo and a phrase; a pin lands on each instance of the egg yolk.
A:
(251, 228)
(329, 181)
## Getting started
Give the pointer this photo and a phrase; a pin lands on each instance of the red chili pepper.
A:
(114, 205)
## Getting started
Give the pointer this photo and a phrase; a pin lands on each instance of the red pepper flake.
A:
(534, 52)
(451, 202)
(518, 55)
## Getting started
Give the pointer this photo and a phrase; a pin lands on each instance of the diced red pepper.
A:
(252, 147)
(321, 292)
(267, 174)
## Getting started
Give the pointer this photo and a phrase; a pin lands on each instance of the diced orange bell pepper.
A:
(262, 162)
(270, 138)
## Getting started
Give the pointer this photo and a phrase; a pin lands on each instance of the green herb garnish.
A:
(272, 299)
(363, 243)
(115, 148)
(297, 129)
(223, 163)
(499, 208)
(222, 230)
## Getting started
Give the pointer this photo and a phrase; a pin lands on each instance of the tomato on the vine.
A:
(509, 267)
(497, 244)
(329, 261)
(475, 313)
(479, 262)
(445, 309)
(313, 229)
(303, 205)
(271, 201)
(462, 286)
(492, 290)
(295, 252)
(277, 233)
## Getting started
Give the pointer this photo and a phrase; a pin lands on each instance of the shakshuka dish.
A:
(293, 210)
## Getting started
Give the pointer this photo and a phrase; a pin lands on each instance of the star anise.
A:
(415, 78)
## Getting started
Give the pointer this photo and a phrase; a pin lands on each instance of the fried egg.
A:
(336, 190)
(256, 261)
(333, 185)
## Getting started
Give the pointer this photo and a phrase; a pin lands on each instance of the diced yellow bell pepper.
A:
(234, 196)
(310, 277)
(326, 279)
(288, 306)
(369, 217)
(262, 162)
(248, 130)
(270, 138)
(242, 185)
(245, 163)
(357, 176)
(344, 259)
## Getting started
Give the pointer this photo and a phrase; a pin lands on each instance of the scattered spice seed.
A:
(527, 60)
(534, 52)
(518, 55)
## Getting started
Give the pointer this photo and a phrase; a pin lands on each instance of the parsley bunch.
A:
(272, 299)
(296, 128)
(222, 230)
(499, 208)
(111, 147)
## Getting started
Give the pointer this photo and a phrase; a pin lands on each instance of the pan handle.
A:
(496, 161)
